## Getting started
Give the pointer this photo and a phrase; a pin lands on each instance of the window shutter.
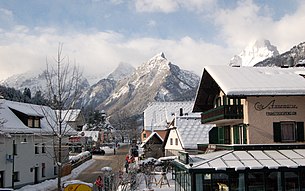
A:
(213, 135)
(236, 134)
(221, 137)
(245, 134)
(277, 132)
(300, 131)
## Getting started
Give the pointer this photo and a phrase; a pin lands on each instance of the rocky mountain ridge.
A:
(295, 57)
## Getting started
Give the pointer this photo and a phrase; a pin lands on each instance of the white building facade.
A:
(27, 139)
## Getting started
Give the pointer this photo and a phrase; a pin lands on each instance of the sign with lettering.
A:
(183, 157)
(258, 106)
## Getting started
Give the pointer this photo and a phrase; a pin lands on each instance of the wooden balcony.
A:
(222, 113)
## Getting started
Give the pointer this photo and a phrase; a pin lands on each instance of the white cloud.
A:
(246, 23)
(101, 52)
(168, 6)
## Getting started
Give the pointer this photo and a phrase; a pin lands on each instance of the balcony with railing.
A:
(222, 113)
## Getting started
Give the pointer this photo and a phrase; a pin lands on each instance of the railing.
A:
(222, 112)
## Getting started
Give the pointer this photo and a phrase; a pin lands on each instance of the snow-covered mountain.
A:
(255, 52)
(295, 57)
(127, 89)
(100, 91)
(156, 80)
(30, 80)
(34, 81)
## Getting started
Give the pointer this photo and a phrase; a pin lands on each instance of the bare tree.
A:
(125, 125)
(63, 88)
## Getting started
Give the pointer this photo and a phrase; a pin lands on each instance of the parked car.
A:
(97, 151)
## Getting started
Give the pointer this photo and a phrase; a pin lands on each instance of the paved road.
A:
(116, 162)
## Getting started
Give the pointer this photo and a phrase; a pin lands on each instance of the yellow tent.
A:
(77, 185)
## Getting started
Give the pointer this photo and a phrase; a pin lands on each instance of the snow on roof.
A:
(253, 81)
(149, 137)
(72, 182)
(93, 134)
(253, 159)
(14, 125)
(158, 114)
(71, 115)
(192, 132)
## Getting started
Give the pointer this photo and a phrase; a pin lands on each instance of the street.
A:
(116, 162)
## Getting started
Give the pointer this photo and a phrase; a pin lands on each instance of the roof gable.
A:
(152, 136)
(256, 81)
(247, 81)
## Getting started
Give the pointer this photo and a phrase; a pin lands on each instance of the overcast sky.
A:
(99, 34)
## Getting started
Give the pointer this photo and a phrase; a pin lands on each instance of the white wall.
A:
(26, 159)
(173, 135)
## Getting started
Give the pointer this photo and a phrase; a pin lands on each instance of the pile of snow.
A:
(80, 156)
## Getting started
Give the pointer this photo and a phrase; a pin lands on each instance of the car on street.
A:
(97, 151)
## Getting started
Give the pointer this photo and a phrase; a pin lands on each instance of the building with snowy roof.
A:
(185, 133)
(27, 143)
(252, 105)
(158, 116)
(75, 118)
(152, 146)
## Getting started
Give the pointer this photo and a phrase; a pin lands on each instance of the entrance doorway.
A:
(1, 179)
(36, 172)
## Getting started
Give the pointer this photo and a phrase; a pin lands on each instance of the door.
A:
(36, 172)
(1, 179)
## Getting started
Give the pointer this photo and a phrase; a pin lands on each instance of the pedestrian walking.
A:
(99, 184)
(126, 163)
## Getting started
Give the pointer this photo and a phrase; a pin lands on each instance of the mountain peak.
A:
(255, 52)
(123, 69)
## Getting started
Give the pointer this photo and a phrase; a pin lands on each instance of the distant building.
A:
(158, 116)
(185, 133)
(28, 144)
(75, 118)
(152, 146)
(100, 132)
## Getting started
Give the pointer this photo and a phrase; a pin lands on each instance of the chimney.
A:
(181, 111)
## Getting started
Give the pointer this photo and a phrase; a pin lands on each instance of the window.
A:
(55, 170)
(218, 102)
(43, 169)
(30, 122)
(176, 141)
(171, 141)
(240, 134)
(288, 131)
(36, 148)
(43, 148)
(144, 135)
(34, 122)
(224, 135)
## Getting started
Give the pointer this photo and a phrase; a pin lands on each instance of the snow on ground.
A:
(52, 184)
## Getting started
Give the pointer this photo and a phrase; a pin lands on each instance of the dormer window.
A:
(28, 117)
(33, 122)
